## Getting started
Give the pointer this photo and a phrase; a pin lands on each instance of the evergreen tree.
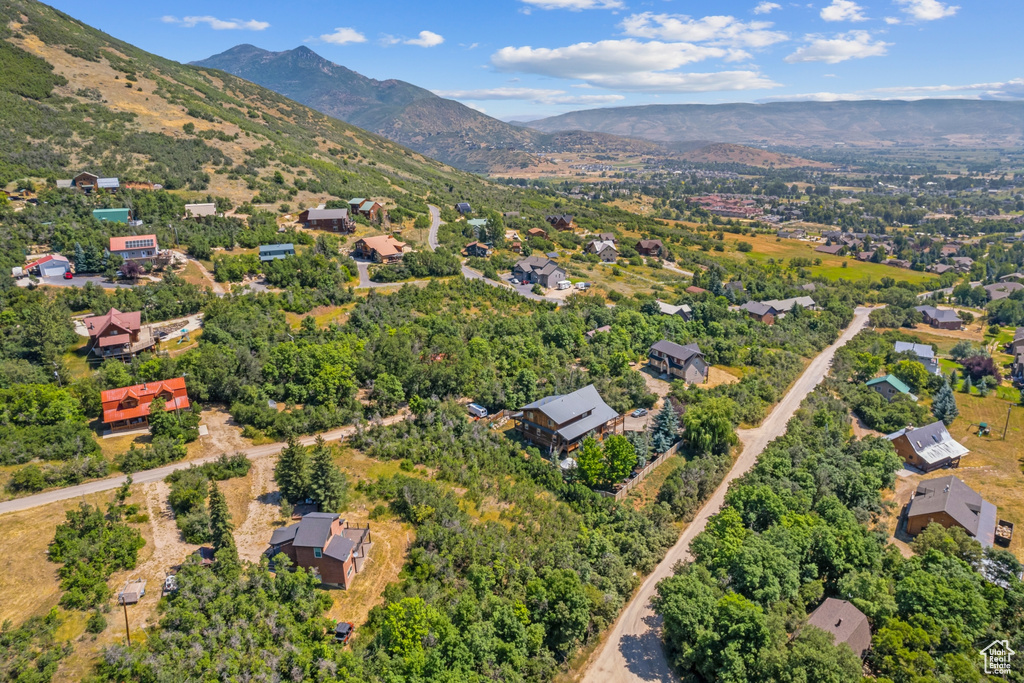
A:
(81, 261)
(967, 386)
(953, 378)
(292, 472)
(944, 406)
(666, 428)
(328, 487)
(225, 552)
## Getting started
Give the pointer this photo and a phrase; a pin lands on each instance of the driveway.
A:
(435, 223)
(76, 281)
(157, 474)
(633, 650)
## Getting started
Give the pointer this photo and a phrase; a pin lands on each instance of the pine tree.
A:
(292, 472)
(328, 487)
(944, 405)
(967, 386)
(666, 429)
(953, 378)
(225, 553)
(81, 262)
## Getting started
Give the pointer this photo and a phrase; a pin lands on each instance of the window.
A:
(318, 553)
(350, 571)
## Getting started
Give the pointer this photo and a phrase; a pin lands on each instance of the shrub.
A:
(96, 624)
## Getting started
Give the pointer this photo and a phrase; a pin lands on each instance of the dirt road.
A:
(633, 650)
(159, 473)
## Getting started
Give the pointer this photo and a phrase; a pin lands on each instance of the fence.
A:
(630, 484)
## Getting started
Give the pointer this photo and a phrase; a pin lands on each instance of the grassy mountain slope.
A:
(75, 98)
(870, 123)
(728, 153)
(415, 117)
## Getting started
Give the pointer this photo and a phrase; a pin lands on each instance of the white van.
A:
(477, 410)
(564, 284)
(582, 285)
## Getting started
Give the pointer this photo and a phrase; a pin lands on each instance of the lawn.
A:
(770, 247)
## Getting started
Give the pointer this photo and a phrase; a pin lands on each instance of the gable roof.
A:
(314, 530)
(538, 264)
(942, 315)
(892, 380)
(1001, 290)
(669, 309)
(46, 259)
(845, 622)
(145, 393)
(677, 351)
(830, 248)
(97, 324)
(650, 244)
(284, 534)
(757, 308)
(600, 245)
(919, 350)
(326, 214)
(932, 443)
(952, 496)
(787, 305)
(385, 245)
(339, 547)
(561, 409)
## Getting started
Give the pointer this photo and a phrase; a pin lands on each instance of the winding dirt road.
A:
(633, 650)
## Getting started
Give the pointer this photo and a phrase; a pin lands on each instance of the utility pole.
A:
(1007, 425)
(127, 631)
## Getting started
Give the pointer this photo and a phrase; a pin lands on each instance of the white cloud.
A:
(844, 46)
(843, 10)
(426, 39)
(891, 20)
(1012, 89)
(574, 5)
(814, 97)
(630, 65)
(536, 95)
(766, 7)
(927, 10)
(342, 36)
(715, 30)
(218, 24)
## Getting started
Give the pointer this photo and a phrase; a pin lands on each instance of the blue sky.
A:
(531, 58)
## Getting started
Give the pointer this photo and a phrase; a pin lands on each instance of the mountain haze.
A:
(872, 123)
(440, 128)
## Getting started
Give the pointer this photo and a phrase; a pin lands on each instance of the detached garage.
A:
(54, 265)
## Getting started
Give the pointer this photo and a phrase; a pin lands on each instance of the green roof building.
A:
(890, 386)
(112, 215)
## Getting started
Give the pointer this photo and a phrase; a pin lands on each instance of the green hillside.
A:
(73, 98)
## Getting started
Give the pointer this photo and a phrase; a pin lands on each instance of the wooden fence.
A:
(630, 484)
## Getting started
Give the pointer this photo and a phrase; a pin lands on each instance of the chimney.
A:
(838, 622)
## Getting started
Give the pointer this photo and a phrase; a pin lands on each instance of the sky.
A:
(525, 59)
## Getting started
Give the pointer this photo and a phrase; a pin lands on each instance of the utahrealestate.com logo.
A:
(997, 657)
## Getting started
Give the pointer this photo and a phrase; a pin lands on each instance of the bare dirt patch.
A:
(717, 376)
(263, 513)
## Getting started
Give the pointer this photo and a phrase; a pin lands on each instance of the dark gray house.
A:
(538, 270)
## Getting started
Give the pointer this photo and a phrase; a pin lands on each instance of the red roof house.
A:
(117, 335)
(128, 407)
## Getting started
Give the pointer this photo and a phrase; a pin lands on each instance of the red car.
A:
(68, 275)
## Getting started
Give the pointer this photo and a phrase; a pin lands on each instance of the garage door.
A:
(52, 272)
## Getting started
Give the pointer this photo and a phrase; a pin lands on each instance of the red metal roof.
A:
(46, 259)
(115, 340)
(98, 324)
(144, 394)
(120, 243)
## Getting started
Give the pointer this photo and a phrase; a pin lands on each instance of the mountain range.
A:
(412, 116)
(870, 123)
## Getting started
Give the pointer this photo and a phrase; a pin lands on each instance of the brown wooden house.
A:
(324, 542)
(336, 220)
(650, 248)
(950, 502)
(118, 335)
(558, 424)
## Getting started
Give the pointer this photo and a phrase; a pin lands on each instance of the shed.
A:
(112, 215)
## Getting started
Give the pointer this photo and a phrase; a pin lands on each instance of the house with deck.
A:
(117, 335)
(322, 541)
(335, 220)
(562, 222)
(478, 249)
(135, 247)
(557, 424)
(685, 362)
(381, 248)
(650, 248)
(950, 502)
(128, 407)
(928, 448)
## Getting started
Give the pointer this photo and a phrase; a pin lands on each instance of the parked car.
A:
(343, 632)
(515, 281)
(639, 412)
(477, 410)
(68, 275)
(170, 584)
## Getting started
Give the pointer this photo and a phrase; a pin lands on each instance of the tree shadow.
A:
(644, 654)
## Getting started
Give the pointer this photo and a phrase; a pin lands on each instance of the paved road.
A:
(159, 473)
(435, 224)
(77, 281)
(633, 650)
